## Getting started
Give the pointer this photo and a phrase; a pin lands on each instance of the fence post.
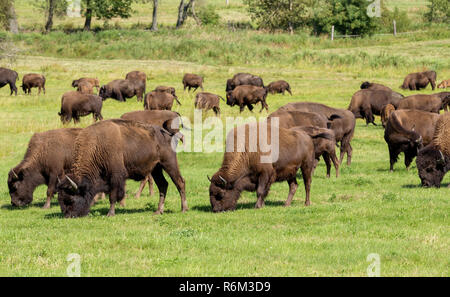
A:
(395, 28)
(332, 32)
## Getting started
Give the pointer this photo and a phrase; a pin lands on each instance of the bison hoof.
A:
(307, 203)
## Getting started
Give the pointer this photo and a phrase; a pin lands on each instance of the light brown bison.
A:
(170, 90)
(85, 87)
(192, 81)
(342, 123)
(433, 161)
(121, 89)
(408, 131)
(249, 166)
(366, 103)
(48, 156)
(292, 118)
(246, 95)
(109, 152)
(9, 77)
(137, 75)
(444, 84)
(430, 103)
(386, 113)
(207, 101)
(241, 79)
(159, 101)
(278, 87)
(419, 80)
(76, 104)
(33, 80)
(93, 81)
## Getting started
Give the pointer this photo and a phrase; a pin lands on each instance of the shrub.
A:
(438, 11)
(208, 15)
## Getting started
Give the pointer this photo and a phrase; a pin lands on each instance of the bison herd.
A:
(79, 164)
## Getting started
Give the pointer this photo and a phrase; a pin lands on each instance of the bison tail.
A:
(176, 99)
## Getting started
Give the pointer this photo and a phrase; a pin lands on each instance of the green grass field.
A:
(366, 210)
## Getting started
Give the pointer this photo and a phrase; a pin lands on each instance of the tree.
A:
(438, 11)
(49, 24)
(105, 9)
(155, 16)
(8, 19)
(183, 9)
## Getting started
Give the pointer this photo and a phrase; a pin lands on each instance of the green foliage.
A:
(4, 13)
(107, 9)
(60, 8)
(401, 18)
(208, 15)
(438, 11)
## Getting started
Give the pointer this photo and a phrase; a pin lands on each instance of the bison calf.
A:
(75, 105)
(192, 81)
(207, 101)
(279, 86)
(159, 101)
(93, 81)
(33, 80)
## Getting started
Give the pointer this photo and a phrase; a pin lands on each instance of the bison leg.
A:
(162, 185)
(50, 190)
(289, 90)
(148, 179)
(292, 189)
(264, 182)
(393, 155)
(306, 174)
(173, 171)
(335, 161)
(326, 158)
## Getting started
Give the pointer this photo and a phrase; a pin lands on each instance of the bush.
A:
(401, 19)
(438, 11)
(208, 15)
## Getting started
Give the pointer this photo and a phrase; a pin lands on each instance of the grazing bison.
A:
(241, 79)
(85, 87)
(109, 152)
(433, 161)
(246, 168)
(192, 81)
(324, 145)
(444, 84)
(419, 80)
(9, 77)
(207, 101)
(93, 81)
(386, 113)
(408, 131)
(167, 119)
(342, 123)
(121, 89)
(170, 90)
(247, 95)
(159, 101)
(33, 80)
(278, 87)
(429, 103)
(366, 103)
(48, 156)
(139, 76)
(75, 105)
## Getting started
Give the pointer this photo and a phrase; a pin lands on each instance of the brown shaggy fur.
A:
(33, 80)
(444, 84)
(386, 112)
(194, 81)
(442, 134)
(207, 101)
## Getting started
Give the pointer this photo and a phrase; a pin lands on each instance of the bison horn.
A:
(223, 180)
(74, 185)
(441, 161)
(15, 174)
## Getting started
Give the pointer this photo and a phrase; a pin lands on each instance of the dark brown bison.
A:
(109, 152)
(167, 119)
(170, 90)
(137, 75)
(159, 101)
(419, 80)
(241, 79)
(85, 87)
(444, 84)
(33, 80)
(192, 81)
(433, 161)
(121, 89)
(366, 103)
(342, 123)
(93, 81)
(278, 87)
(249, 166)
(246, 95)
(408, 131)
(429, 103)
(48, 156)
(75, 105)
(9, 77)
(207, 101)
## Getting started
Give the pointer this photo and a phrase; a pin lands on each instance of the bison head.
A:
(105, 92)
(20, 187)
(73, 199)
(432, 166)
(365, 85)
(230, 99)
(230, 85)
(222, 195)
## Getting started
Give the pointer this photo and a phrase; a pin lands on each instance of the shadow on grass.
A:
(247, 205)
(419, 186)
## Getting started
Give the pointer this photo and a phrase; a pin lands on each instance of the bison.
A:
(93, 81)
(433, 161)
(207, 101)
(159, 101)
(139, 76)
(109, 152)
(9, 77)
(366, 103)
(342, 123)
(192, 81)
(419, 80)
(429, 103)
(85, 87)
(170, 90)
(121, 89)
(48, 156)
(444, 84)
(240, 79)
(250, 167)
(246, 95)
(75, 105)
(33, 80)
(408, 131)
(278, 87)
(292, 118)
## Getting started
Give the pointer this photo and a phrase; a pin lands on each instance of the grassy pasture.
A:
(366, 210)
